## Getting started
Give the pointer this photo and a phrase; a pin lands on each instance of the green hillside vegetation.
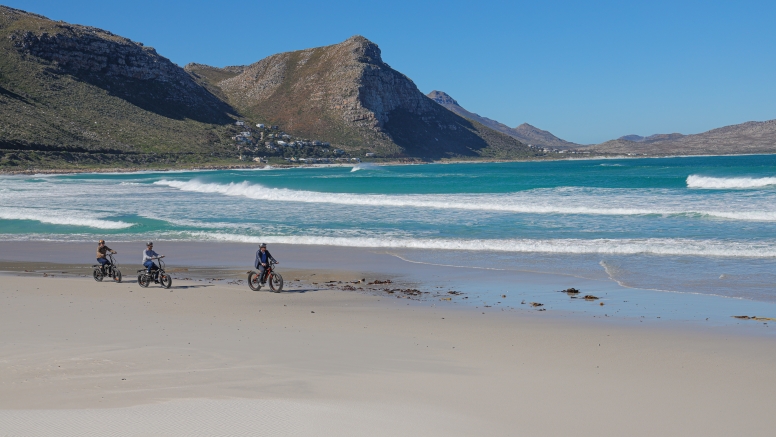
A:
(60, 114)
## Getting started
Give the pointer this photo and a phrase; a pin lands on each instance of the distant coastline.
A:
(56, 171)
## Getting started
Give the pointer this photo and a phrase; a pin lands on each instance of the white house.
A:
(240, 123)
(260, 125)
(281, 143)
(370, 155)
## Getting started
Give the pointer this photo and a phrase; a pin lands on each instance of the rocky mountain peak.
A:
(442, 98)
(364, 50)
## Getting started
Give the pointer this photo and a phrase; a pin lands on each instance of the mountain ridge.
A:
(525, 132)
(751, 137)
(346, 93)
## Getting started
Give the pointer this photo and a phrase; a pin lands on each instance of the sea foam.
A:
(652, 246)
(707, 182)
(61, 217)
(559, 201)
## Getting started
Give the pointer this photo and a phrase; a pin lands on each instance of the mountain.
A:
(750, 137)
(346, 95)
(651, 138)
(525, 132)
(73, 94)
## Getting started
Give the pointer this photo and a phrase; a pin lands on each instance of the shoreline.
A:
(33, 172)
(343, 268)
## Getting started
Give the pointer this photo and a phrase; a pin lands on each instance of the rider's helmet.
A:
(264, 245)
(101, 242)
(150, 243)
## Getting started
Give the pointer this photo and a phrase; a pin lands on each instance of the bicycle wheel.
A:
(98, 274)
(253, 281)
(165, 280)
(276, 283)
(117, 275)
(143, 280)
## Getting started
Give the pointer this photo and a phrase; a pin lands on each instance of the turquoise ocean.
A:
(696, 224)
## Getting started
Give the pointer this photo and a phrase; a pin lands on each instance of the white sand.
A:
(86, 358)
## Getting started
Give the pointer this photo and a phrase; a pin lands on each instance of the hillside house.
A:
(260, 125)
(370, 155)
(239, 123)
(246, 134)
(317, 143)
(281, 143)
(339, 152)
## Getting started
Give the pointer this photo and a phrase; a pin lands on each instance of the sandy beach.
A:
(213, 358)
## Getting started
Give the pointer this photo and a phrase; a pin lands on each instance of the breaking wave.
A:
(61, 217)
(364, 166)
(516, 203)
(652, 246)
(707, 182)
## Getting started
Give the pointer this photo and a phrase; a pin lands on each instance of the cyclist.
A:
(102, 251)
(149, 256)
(263, 257)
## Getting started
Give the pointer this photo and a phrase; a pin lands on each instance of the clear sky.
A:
(586, 71)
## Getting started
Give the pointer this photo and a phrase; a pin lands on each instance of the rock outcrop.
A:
(102, 58)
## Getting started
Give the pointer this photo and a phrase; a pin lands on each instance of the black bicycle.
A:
(270, 276)
(157, 275)
(110, 270)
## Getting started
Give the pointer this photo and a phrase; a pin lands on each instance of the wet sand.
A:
(315, 266)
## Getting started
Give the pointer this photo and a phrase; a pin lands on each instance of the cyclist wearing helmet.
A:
(263, 257)
(149, 256)
(102, 251)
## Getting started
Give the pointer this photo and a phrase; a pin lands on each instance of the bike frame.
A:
(268, 272)
(113, 263)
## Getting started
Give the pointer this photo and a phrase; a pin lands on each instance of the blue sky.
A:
(585, 71)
